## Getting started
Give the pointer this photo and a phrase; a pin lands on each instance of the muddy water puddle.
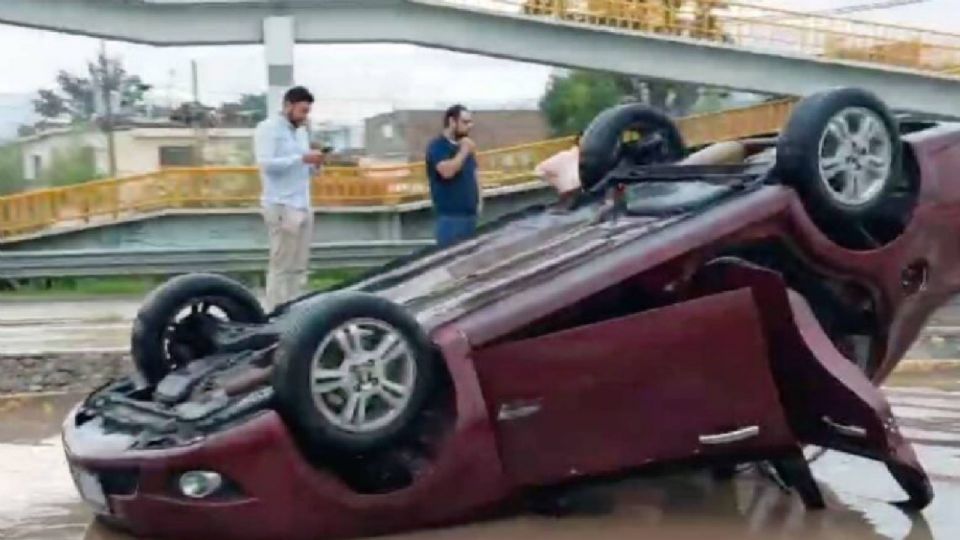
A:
(38, 500)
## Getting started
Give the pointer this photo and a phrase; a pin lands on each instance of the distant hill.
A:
(15, 110)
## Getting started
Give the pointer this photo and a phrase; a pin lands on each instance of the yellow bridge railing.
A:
(102, 201)
(751, 25)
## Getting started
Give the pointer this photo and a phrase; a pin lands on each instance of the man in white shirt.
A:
(562, 171)
(287, 164)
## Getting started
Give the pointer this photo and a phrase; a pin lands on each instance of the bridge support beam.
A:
(278, 43)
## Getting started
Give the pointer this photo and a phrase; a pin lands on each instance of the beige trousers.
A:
(291, 232)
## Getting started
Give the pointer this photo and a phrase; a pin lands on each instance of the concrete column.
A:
(390, 225)
(278, 42)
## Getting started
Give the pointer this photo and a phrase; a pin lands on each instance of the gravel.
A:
(60, 372)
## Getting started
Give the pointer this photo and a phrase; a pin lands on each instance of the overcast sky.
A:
(352, 81)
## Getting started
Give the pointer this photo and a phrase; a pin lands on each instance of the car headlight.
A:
(200, 484)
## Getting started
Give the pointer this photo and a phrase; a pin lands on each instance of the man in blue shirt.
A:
(452, 171)
(287, 165)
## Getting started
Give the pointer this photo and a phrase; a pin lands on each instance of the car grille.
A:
(119, 481)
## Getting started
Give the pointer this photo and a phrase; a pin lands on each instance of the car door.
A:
(827, 399)
(830, 402)
(688, 380)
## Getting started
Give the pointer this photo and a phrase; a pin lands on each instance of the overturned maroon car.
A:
(694, 307)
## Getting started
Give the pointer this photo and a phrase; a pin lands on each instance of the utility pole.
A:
(195, 81)
(198, 118)
(107, 122)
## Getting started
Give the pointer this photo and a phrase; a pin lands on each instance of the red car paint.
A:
(740, 352)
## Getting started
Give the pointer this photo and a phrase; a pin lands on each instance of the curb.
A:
(924, 365)
(36, 395)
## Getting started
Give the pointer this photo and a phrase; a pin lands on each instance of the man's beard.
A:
(292, 121)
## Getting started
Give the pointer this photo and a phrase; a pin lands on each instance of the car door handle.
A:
(517, 410)
(731, 436)
(850, 431)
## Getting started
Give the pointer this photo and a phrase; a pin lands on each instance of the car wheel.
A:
(352, 372)
(170, 329)
(603, 147)
(841, 151)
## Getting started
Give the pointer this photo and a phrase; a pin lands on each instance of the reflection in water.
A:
(30, 419)
(37, 494)
(98, 531)
(39, 500)
(682, 507)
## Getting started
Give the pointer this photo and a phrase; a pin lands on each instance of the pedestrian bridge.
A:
(714, 42)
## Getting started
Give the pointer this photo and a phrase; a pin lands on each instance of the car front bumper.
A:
(275, 491)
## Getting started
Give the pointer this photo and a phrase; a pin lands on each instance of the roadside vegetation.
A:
(11, 169)
(574, 97)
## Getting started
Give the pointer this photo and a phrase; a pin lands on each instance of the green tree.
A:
(75, 95)
(255, 105)
(712, 100)
(573, 100)
(249, 110)
(11, 169)
(676, 99)
(74, 164)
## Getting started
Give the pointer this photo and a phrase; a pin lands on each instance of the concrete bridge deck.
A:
(792, 55)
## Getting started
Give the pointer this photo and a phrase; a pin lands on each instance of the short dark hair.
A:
(453, 112)
(298, 94)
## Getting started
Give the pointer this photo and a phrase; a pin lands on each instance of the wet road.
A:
(53, 326)
(37, 498)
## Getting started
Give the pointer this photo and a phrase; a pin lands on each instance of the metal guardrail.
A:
(762, 119)
(750, 24)
(48, 264)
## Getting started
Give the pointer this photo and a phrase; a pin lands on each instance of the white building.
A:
(139, 148)
(342, 137)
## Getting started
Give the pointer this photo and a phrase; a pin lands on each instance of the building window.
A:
(36, 166)
(177, 156)
(387, 131)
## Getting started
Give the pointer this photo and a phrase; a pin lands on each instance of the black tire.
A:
(150, 339)
(799, 155)
(308, 330)
(602, 147)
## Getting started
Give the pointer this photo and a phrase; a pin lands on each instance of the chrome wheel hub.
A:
(362, 375)
(856, 155)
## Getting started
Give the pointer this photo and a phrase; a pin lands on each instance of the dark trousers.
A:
(452, 229)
